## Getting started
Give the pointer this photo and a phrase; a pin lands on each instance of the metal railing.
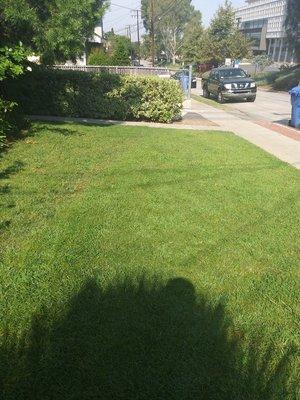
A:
(121, 70)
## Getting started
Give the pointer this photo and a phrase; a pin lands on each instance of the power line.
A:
(155, 18)
(133, 31)
(110, 21)
(138, 33)
(118, 5)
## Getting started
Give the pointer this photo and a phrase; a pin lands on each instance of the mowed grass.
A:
(142, 263)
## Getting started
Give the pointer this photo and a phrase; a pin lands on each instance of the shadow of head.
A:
(139, 340)
(54, 128)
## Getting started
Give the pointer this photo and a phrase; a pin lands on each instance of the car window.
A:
(232, 73)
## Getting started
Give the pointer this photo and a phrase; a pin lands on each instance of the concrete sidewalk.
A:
(283, 147)
(205, 126)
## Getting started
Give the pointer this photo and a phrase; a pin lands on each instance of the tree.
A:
(192, 37)
(223, 38)
(57, 30)
(145, 47)
(292, 25)
(119, 49)
(99, 56)
(262, 61)
(169, 20)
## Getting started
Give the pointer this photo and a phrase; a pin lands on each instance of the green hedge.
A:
(288, 80)
(280, 80)
(90, 95)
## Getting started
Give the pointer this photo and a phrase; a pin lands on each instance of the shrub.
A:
(11, 65)
(99, 57)
(5, 109)
(262, 61)
(120, 49)
(90, 95)
(12, 121)
(285, 79)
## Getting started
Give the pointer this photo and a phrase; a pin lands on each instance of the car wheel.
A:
(220, 97)
(206, 93)
(251, 99)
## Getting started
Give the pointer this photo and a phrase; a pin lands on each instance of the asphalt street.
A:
(269, 106)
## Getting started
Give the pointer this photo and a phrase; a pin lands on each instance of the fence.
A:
(121, 70)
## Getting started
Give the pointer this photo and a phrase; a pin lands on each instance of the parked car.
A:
(178, 76)
(228, 83)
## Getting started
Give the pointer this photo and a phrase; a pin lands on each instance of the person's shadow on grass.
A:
(139, 340)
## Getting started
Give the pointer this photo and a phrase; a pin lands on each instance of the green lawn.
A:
(210, 102)
(142, 263)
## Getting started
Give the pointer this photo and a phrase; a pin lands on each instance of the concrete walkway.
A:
(93, 121)
(283, 147)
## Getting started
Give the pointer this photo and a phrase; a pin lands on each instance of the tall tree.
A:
(192, 37)
(224, 40)
(121, 50)
(168, 19)
(292, 25)
(54, 29)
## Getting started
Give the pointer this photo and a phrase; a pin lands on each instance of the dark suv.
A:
(229, 83)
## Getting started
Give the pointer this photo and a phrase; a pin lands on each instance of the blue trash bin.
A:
(184, 82)
(295, 100)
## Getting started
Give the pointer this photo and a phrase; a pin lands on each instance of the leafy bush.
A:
(120, 49)
(5, 108)
(285, 79)
(105, 96)
(288, 80)
(262, 61)
(11, 65)
(99, 57)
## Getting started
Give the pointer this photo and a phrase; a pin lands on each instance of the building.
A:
(96, 41)
(263, 22)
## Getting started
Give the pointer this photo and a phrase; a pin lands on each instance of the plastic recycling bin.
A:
(295, 100)
(184, 82)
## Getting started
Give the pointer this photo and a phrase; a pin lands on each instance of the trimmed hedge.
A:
(90, 95)
(280, 80)
(287, 81)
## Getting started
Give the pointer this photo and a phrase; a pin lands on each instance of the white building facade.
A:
(263, 22)
(95, 41)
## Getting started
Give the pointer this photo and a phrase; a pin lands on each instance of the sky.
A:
(118, 17)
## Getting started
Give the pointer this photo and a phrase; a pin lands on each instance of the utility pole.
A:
(137, 16)
(190, 82)
(152, 32)
(128, 34)
(128, 31)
